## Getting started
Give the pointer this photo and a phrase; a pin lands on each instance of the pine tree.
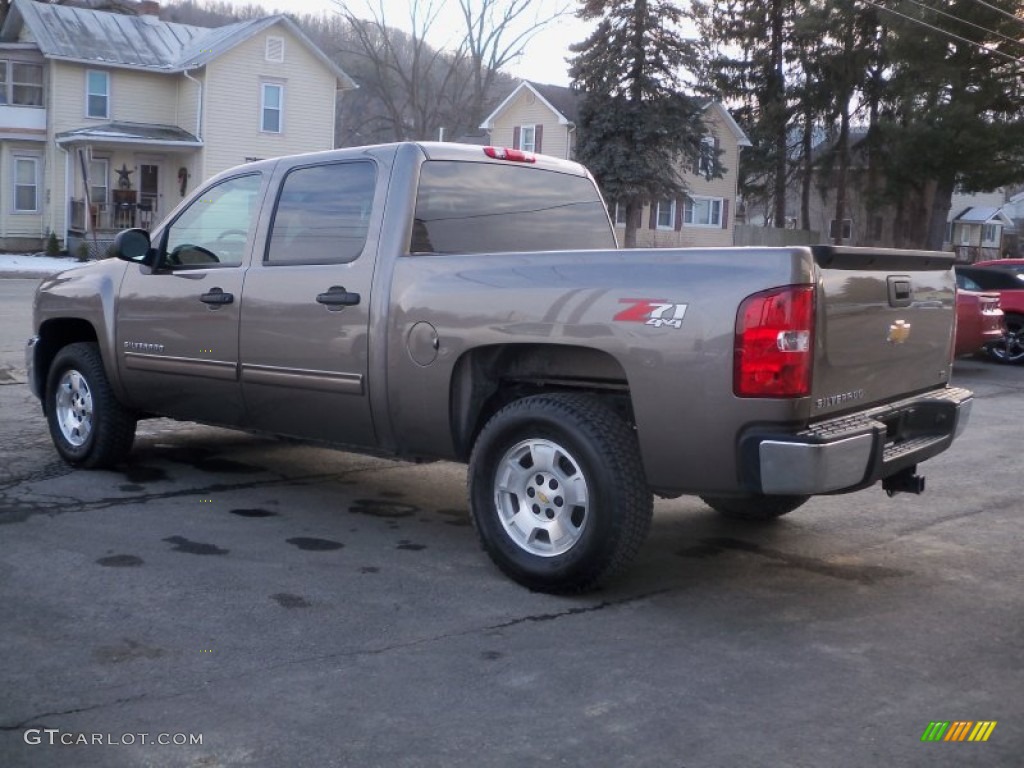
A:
(637, 130)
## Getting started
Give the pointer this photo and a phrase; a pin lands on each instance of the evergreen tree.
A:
(637, 130)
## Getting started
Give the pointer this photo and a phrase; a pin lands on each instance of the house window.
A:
(708, 157)
(26, 185)
(847, 229)
(620, 214)
(703, 212)
(666, 214)
(99, 186)
(275, 49)
(21, 84)
(989, 233)
(273, 101)
(528, 138)
(97, 96)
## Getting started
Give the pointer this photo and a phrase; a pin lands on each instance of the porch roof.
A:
(983, 215)
(131, 133)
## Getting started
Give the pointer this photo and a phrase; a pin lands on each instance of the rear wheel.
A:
(88, 425)
(557, 492)
(754, 507)
(1010, 349)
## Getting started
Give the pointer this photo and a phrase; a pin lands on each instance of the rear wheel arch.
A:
(486, 379)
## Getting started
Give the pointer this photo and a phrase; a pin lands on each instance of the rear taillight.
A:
(775, 343)
(512, 155)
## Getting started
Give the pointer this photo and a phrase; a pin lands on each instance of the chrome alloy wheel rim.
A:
(542, 497)
(74, 408)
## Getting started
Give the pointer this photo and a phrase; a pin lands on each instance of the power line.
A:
(968, 23)
(946, 32)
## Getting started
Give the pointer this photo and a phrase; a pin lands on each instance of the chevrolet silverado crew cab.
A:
(441, 301)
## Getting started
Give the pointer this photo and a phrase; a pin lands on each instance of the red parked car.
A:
(979, 321)
(1006, 278)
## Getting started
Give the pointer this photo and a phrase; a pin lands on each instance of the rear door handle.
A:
(216, 296)
(337, 296)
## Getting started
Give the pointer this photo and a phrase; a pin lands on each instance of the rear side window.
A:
(489, 208)
(322, 214)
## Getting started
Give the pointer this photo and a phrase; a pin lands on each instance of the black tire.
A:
(1011, 348)
(576, 466)
(754, 507)
(88, 425)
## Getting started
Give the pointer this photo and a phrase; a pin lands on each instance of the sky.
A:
(544, 57)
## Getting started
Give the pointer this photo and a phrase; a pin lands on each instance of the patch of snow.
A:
(36, 264)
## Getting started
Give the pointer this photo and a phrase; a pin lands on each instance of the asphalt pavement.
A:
(284, 605)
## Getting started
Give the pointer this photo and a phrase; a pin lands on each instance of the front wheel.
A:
(558, 493)
(1010, 349)
(754, 507)
(88, 425)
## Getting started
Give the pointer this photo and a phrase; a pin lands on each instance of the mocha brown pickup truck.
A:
(420, 301)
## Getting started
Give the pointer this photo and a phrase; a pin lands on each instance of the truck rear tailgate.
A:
(885, 323)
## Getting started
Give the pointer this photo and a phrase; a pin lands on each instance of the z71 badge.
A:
(654, 312)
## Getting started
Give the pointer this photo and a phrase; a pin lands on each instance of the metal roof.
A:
(140, 42)
(131, 133)
(981, 216)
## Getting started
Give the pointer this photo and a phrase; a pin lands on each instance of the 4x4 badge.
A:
(653, 312)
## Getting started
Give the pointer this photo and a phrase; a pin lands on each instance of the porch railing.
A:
(110, 216)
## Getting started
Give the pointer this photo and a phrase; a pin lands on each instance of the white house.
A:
(108, 120)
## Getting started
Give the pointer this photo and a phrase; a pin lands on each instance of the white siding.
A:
(135, 97)
(231, 121)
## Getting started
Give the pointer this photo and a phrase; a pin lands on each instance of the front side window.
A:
(215, 229)
(466, 207)
(323, 214)
(666, 214)
(26, 184)
(97, 97)
(26, 84)
(703, 212)
(273, 103)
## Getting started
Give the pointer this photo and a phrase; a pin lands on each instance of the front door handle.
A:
(337, 296)
(217, 297)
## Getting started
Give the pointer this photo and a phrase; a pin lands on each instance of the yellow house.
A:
(109, 120)
(542, 118)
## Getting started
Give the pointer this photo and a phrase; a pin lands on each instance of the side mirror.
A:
(133, 245)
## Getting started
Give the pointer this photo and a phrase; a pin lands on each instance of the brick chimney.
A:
(149, 8)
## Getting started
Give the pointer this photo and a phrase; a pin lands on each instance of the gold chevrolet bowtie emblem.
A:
(899, 332)
(542, 497)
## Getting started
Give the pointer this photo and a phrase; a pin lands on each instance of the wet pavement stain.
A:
(131, 487)
(253, 512)
(181, 544)
(385, 509)
(863, 574)
(128, 650)
(410, 547)
(120, 561)
(286, 600)
(227, 466)
(369, 569)
(456, 517)
(139, 473)
(10, 515)
(491, 655)
(315, 545)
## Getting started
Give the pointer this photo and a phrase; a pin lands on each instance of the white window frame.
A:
(706, 156)
(619, 214)
(264, 108)
(37, 162)
(715, 206)
(523, 145)
(985, 239)
(274, 44)
(659, 208)
(89, 93)
(846, 231)
(5, 82)
(9, 83)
